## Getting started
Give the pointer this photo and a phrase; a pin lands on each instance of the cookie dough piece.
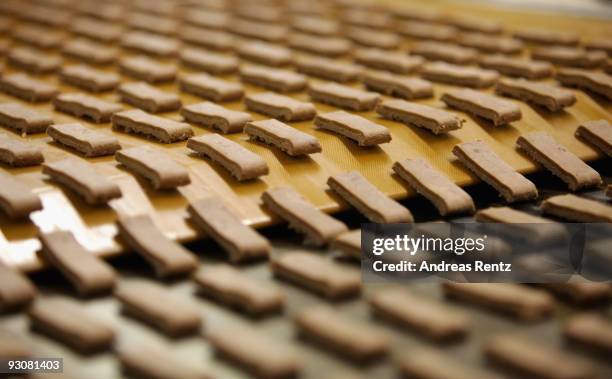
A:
(284, 137)
(343, 96)
(281, 107)
(149, 98)
(87, 273)
(319, 227)
(458, 75)
(158, 128)
(433, 119)
(23, 119)
(85, 106)
(211, 88)
(543, 148)
(215, 116)
(18, 153)
(154, 165)
(357, 128)
(219, 222)
(88, 142)
(575, 208)
(27, 88)
(551, 97)
(242, 163)
(492, 108)
(446, 196)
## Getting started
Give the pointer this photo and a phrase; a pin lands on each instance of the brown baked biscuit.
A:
(396, 62)
(349, 243)
(596, 82)
(207, 38)
(581, 293)
(88, 142)
(519, 223)
(490, 168)
(551, 97)
(160, 308)
(85, 106)
(256, 352)
(426, 30)
(18, 153)
(517, 300)
(16, 291)
(87, 273)
(147, 69)
(446, 196)
(66, 321)
(211, 88)
(33, 61)
(215, 116)
(589, 330)
(575, 208)
(397, 86)
(23, 119)
(357, 128)
(302, 216)
(281, 107)
(151, 23)
(264, 53)
(82, 177)
(231, 287)
(327, 46)
(89, 79)
(317, 274)
(328, 69)
(259, 30)
(242, 163)
(459, 75)
(569, 56)
(213, 63)
(96, 29)
(535, 360)
(27, 88)
(429, 318)
(158, 128)
(367, 199)
(91, 52)
(151, 44)
(312, 24)
(490, 44)
(547, 37)
(436, 120)
(42, 37)
(343, 96)
(354, 340)
(149, 98)
(544, 149)
(366, 18)
(474, 23)
(602, 44)
(154, 165)
(517, 67)
(220, 222)
(492, 108)
(274, 79)
(439, 51)
(597, 133)
(168, 258)
(418, 14)
(16, 199)
(431, 364)
(373, 38)
(286, 138)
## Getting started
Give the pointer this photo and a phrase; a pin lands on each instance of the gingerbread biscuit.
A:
(215, 116)
(551, 97)
(158, 128)
(517, 67)
(168, 258)
(27, 88)
(490, 168)
(597, 133)
(489, 107)
(231, 287)
(149, 98)
(367, 199)
(459, 75)
(302, 216)
(85, 106)
(18, 153)
(91, 52)
(433, 119)
(88, 142)
(281, 107)
(284, 137)
(87, 273)
(154, 165)
(398, 86)
(439, 51)
(570, 56)
(357, 128)
(147, 69)
(211, 88)
(398, 63)
(446, 196)
(544, 149)
(88, 79)
(16, 199)
(33, 61)
(317, 274)
(241, 163)
(219, 222)
(575, 208)
(23, 119)
(264, 53)
(343, 96)
(274, 79)
(596, 82)
(213, 63)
